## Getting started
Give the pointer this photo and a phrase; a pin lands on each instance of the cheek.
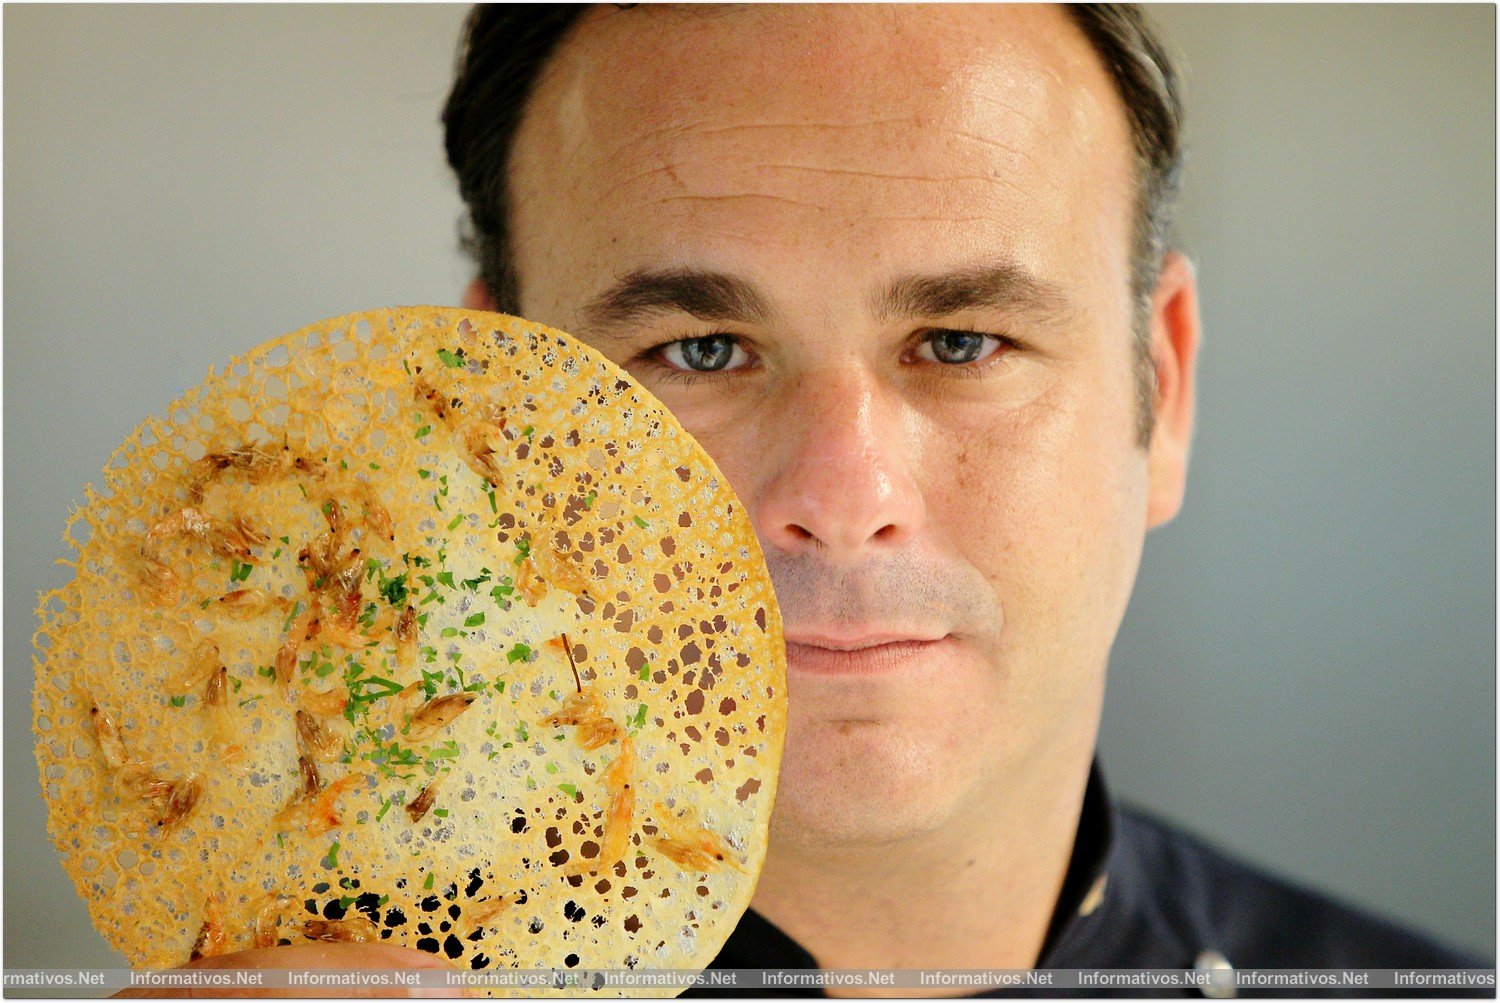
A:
(1049, 505)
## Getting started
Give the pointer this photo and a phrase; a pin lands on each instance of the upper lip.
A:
(856, 640)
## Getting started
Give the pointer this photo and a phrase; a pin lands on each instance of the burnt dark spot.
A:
(321, 887)
(444, 926)
(334, 909)
(430, 904)
(518, 824)
(571, 961)
(451, 892)
(632, 924)
(424, 928)
(521, 897)
(535, 926)
(454, 911)
(475, 882)
(559, 858)
(311, 905)
(479, 961)
(428, 944)
(554, 838)
(477, 934)
(573, 911)
(453, 947)
(369, 904)
(395, 917)
(598, 921)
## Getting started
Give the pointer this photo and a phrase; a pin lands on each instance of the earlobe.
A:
(477, 296)
(1175, 333)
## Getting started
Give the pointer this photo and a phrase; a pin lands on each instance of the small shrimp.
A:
(211, 939)
(487, 911)
(327, 703)
(618, 819)
(268, 920)
(181, 800)
(111, 744)
(478, 453)
(406, 636)
(436, 714)
(316, 742)
(688, 845)
(302, 629)
(429, 395)
(200, 666)
(422, 803)
(318, 809)
(353, 928)
(235, 537)
(585, 711)
(244, 604)
(216, 705)
(530, 584)
(561, 571)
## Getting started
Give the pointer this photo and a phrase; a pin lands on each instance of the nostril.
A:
(798, 533)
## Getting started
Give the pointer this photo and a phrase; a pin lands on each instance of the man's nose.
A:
(842, 477)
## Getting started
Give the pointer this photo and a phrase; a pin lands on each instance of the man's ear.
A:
(477, 296)
(1174, 355)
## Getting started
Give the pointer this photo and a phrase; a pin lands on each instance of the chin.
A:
(851, 783)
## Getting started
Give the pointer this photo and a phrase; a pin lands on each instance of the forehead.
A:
(704, 130)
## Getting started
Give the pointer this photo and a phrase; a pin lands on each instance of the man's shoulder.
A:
(1257, 919)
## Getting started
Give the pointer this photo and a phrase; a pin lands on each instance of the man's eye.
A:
(957, 348)
(710, 354)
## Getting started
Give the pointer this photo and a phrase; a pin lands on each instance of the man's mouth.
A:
(859, 653)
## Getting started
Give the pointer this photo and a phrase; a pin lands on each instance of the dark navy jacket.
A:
(1141, 893)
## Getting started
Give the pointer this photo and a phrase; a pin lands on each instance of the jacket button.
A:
(1220, 973)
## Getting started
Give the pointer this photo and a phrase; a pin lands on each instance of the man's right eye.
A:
(712, 353)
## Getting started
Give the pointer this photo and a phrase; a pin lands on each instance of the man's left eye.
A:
(957, 348)
(713, 353)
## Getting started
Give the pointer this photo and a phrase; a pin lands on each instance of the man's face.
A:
(877, 261)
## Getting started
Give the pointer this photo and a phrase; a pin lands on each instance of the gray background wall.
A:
(1307, 672)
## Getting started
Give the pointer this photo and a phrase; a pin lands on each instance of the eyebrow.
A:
(710, 296)
(1005, 286)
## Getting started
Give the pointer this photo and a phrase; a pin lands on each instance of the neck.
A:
(978, 892)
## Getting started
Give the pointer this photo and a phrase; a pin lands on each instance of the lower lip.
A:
(873, 661)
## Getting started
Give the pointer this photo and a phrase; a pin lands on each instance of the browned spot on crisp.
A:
(684, 520)
(554, 838)
(691, 732)
(726, 706)
(760, 617)
(746, 789)
(635, 659)
(589, 849)
(668, 546)
(654, 634)
(632, 922)
(694, 702)
(721, 736)
(704, 776)
(662, 582)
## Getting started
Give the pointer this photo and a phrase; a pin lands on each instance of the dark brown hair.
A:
(505, 47)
